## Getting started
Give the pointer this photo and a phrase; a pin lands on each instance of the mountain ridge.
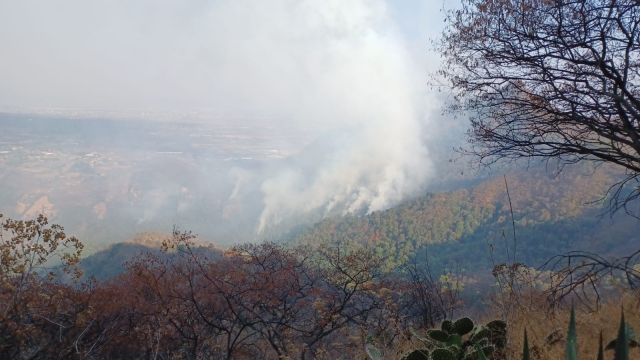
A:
(552, 212)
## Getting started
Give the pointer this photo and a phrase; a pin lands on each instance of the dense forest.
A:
(552, 213)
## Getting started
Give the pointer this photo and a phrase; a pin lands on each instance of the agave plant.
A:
(632, 338)
(626, 338)
(461, 340)
(571, 351)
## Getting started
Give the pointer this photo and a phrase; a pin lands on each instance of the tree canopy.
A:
(548, 80)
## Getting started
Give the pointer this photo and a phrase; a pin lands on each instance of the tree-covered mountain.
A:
(553, 213)
(111, 260)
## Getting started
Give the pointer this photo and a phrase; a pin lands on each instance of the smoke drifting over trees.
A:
(347, 70)
(341, 68)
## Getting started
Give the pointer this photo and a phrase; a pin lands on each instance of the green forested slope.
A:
(553, 214)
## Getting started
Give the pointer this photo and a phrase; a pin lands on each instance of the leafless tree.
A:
(428, 298)
(548, 80)
(583, 275)
(294, 300)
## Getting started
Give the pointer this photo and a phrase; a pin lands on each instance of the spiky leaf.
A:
(571, 351)
(613, 343)
(632, 333)
(525, 349)
(633, 339)
(463, 326)
(622, 342)
(438, 335)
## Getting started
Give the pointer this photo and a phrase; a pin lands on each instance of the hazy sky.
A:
(199, 53)
(354, 69)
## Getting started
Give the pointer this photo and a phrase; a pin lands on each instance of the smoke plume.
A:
(343, 68)
(347, 69)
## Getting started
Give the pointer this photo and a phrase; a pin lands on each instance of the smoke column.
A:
(345, 68)
(340, 66)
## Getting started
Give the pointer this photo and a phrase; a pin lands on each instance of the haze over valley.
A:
(107, 179)
(206, 131)
(108, 176)
(319, 179)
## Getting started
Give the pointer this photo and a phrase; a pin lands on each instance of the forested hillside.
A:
(553, 214)
(111, 260)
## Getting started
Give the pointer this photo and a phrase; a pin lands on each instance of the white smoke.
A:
(343, 67)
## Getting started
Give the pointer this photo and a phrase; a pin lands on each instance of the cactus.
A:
(480, 353)
(481, 333)
(438, 335)
(459, 340)
(473, 353)
(454, 340)
(483, 341)
(443, 354)
(371, 350)
(449, 340)
(424, 340)
(420, 354)
(497, 325)
(498, 333)
(447, 326)
(463, 326)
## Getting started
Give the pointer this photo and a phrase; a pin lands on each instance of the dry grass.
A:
(540, 323)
